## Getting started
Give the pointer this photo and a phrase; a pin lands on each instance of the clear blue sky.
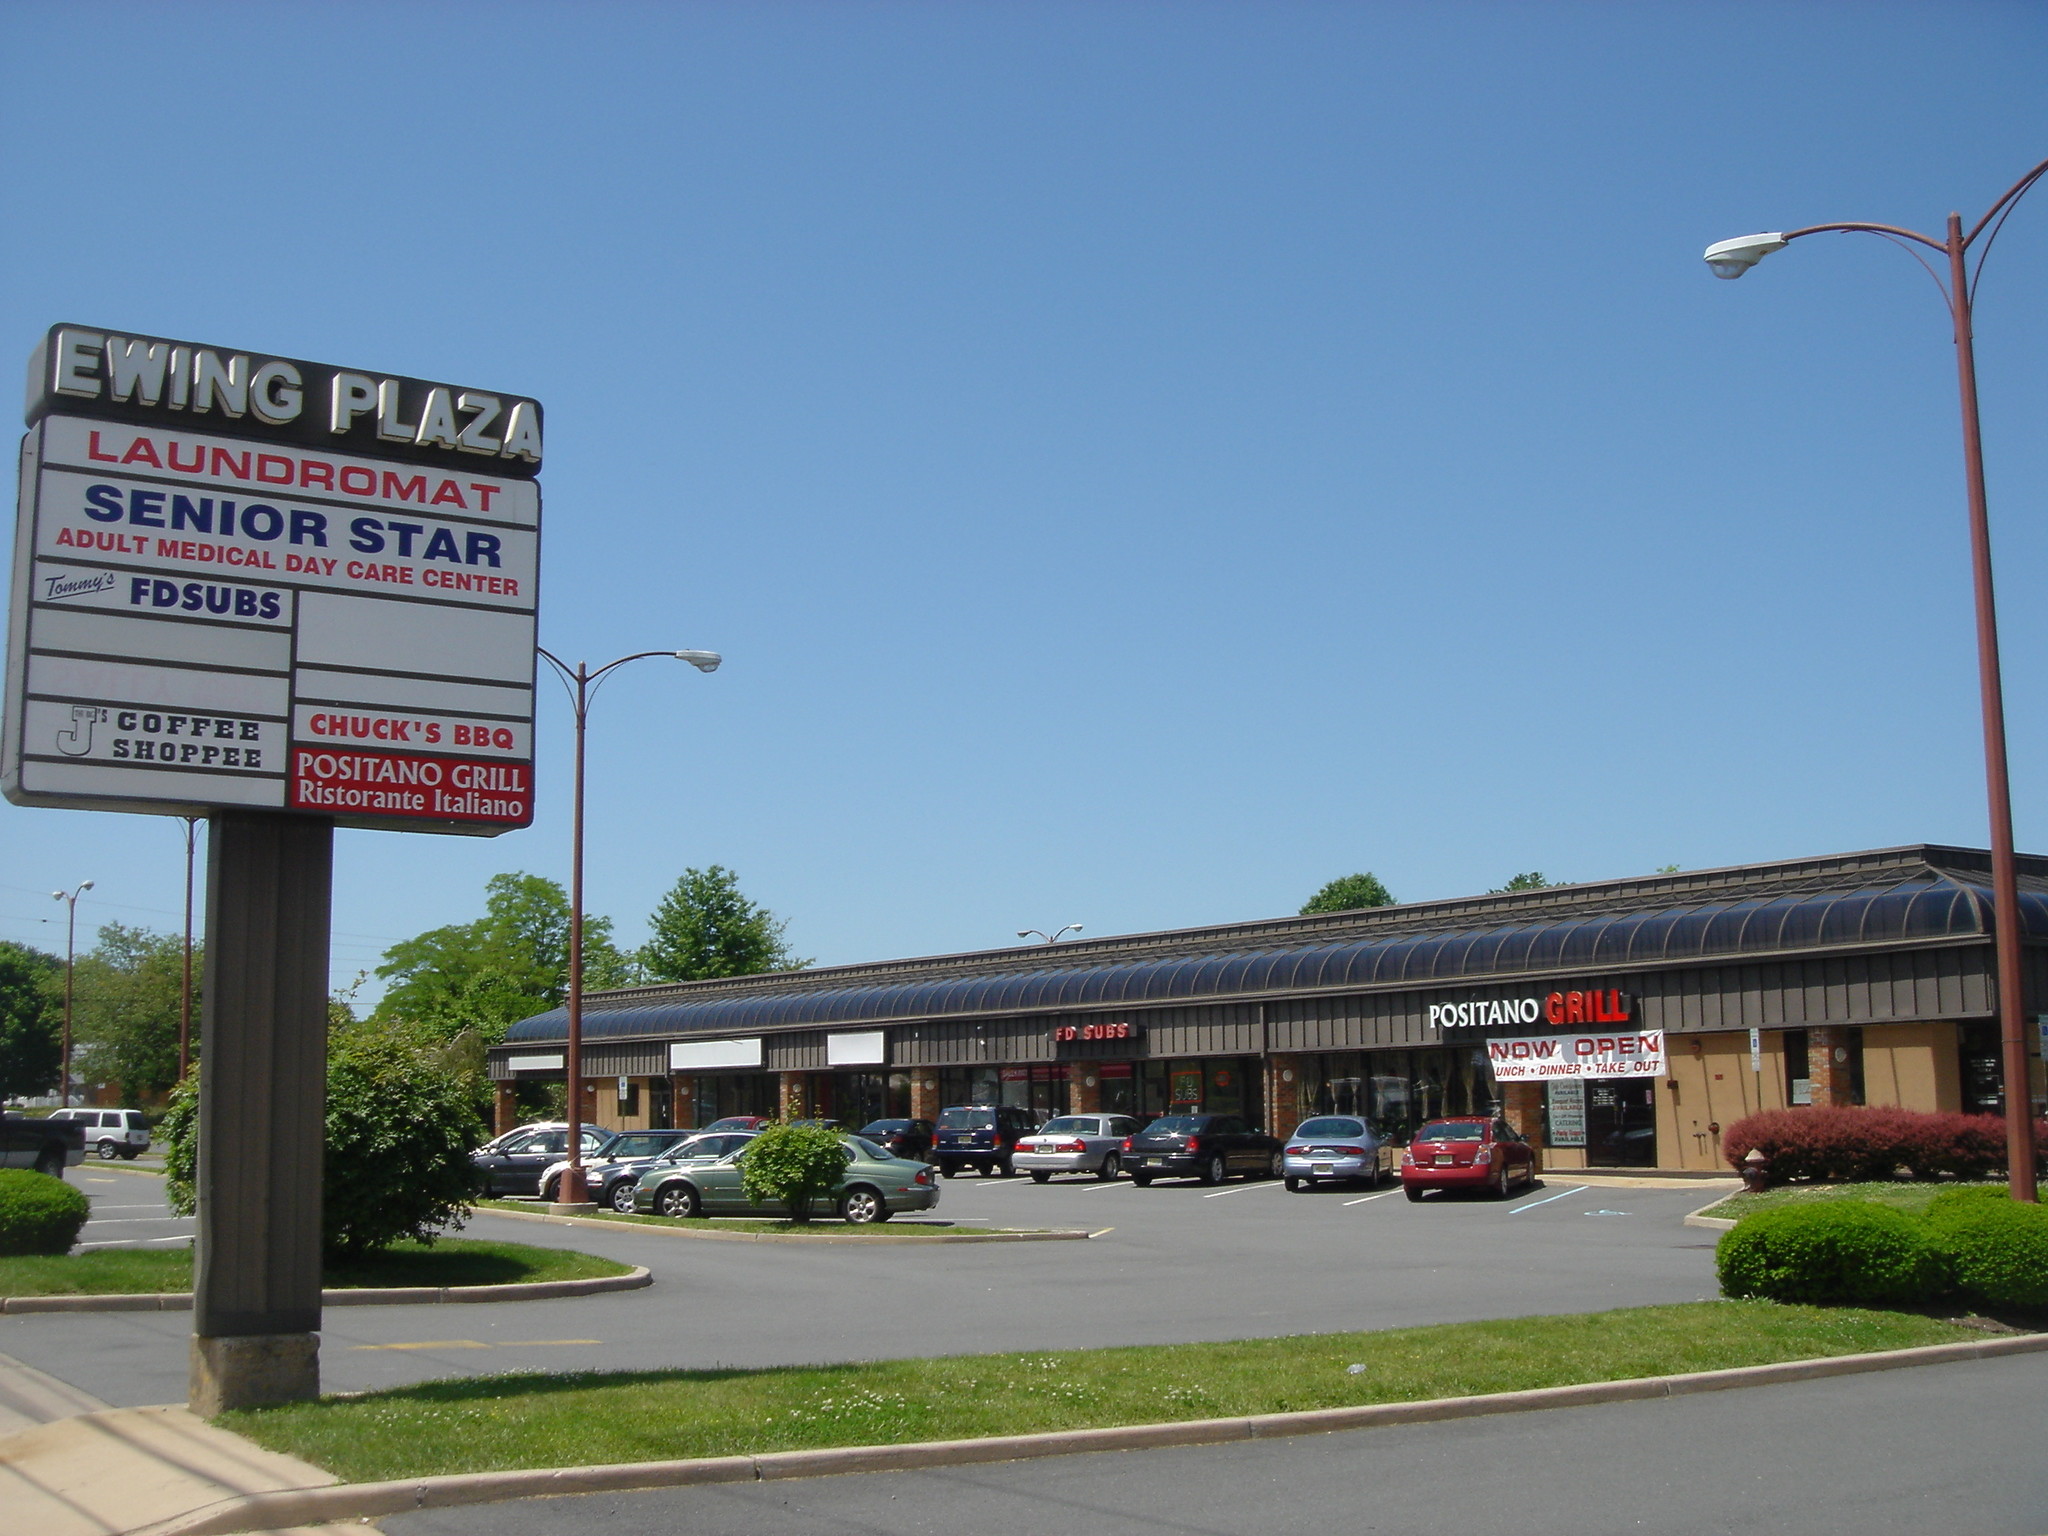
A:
(1140, 461)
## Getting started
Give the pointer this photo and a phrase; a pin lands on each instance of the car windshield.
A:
(1174, 1125)
(646, 1144)
(967, 1120)
(1069, 1125)
(1329, 1125)
(1453, 1130)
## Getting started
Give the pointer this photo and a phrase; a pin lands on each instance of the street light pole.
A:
(1730, 259)
(582, 684)
(70, 899)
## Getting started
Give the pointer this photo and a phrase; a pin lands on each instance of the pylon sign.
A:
(247, 581)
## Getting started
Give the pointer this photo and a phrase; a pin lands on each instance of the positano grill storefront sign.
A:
(251, 581)
(1575, 1006)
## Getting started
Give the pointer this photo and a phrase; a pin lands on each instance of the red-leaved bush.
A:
(1872, 1143)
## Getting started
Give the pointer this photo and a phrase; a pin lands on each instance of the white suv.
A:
(110, 1132)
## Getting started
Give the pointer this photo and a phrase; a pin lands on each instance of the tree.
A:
(1349, 894)
(126, 996)
(508, 965)
(29, 1021)
(794, 1166)
(704, 928)
(1532, 881)
(400, 1126)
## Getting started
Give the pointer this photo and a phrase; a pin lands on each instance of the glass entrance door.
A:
(1621, 1124)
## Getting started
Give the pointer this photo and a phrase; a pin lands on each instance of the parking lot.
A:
(1174, 1262)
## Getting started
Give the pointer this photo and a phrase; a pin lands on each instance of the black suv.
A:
(1206, 1147)
(904, 1138)
(980, 1136)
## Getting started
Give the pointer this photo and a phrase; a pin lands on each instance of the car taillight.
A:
(1349, 1151)
(1407, 1158)
(1483, 1155)
(1297, 1151)
(1127, 1144)
(922, 1176)
(1194, 1144)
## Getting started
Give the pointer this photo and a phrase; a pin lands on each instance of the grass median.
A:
(1912, 1198)
(492, 1423)
(450, 1261)
(820, 1226)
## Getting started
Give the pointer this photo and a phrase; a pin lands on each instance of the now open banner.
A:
(1634, 1053)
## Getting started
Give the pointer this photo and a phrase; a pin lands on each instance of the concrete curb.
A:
(680, 1230)
(1700, 1218)
(370, 1501)
(392, 1296)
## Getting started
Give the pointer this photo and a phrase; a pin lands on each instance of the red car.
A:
(1467, 1153)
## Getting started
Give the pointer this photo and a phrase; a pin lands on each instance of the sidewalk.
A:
(72, 1466)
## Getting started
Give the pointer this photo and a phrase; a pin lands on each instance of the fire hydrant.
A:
(1756, 1171)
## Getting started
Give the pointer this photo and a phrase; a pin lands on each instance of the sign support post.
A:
(263, 1037)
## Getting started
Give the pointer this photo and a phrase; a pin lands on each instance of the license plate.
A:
(1446, 1162)
(1154, 1162)
(1321, 1167)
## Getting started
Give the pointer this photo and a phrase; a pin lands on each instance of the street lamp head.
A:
(85, 885)
(703, 661)
(1732, 258)
(59, 896)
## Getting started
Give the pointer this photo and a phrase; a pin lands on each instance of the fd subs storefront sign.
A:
(1639, 1053)
(253, 581)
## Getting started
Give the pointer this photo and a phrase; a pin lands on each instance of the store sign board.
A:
(1577, 1006)
(1636, 1054)
(238, 583)
(1565, 1116)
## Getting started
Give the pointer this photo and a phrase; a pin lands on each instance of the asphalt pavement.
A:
(1899, 1453)
(1171, 1263)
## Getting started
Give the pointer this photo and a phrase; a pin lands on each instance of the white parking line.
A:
(1262, 1184)
(1576, 1189)
(185, 1237)
(130, 1221)
(99, 1207)
(1097, 1189)
(1380, 1196)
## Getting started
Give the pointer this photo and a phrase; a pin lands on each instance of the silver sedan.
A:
(1075, 1144)
(1335, 1147)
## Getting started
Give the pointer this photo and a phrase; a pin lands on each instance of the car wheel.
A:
(1141, 1179)
(131, 1153)
(550, 1191)
(1039, 1175)
(1004, 1169)
(1500, 1183)
(861, 1205)
(949, 1170)
(108, 1151)
(622, 1197)
(1276, 1167)
(1296, 1186)
(677, 1200)
(1112, 1165)
(1413, 1192)
(51, 1161)
(1215, 1171)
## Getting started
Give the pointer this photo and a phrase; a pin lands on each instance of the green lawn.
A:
(451, 1261)
(815, 1227)
(472, 1424)
(1913, 1198)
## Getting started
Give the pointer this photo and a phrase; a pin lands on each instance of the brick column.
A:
(504, 1108)
(924, 1093)
(793, 1096)
(1084, 1087)
(1284, 1087)
(1522, 1105)
(1830, 1077)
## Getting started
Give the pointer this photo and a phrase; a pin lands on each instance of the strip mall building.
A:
(1617, 1024)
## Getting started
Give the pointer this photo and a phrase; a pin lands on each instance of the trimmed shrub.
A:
(1831, 1251)
(39, 1214)
(1996, 1249)
(795, 1166)
(1871, 1143)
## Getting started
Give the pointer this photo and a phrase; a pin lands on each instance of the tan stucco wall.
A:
(1912, 1065)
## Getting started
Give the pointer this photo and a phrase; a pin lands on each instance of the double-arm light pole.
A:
(1047, 938)
(582, 683)
(1732, 258)
(70, 900)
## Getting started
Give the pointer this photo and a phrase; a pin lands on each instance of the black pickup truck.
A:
(48, 1146)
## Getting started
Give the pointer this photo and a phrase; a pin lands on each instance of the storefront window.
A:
(733, 1093)
(1798, 1078)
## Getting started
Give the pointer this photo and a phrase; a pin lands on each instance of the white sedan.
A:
(1075, 1144)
